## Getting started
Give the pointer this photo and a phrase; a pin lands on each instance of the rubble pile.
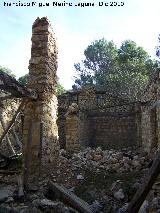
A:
(105, 179)
(109, 160)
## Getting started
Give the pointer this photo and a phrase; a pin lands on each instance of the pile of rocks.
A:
(76, 172)
(109, 160)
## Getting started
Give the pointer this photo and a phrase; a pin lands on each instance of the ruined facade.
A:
(101, 120)
(111, 122)
(86, 117)
(40, 115)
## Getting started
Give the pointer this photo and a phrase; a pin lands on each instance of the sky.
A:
(75, 29)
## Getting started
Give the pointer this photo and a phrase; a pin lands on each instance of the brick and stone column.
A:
(72, 128)
(42, 79)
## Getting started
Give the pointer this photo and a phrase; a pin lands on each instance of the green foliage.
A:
(122, 71)
(60, 89)
(8, 71)
(23, 79)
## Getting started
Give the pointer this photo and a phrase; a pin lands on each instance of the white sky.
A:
(76, 28)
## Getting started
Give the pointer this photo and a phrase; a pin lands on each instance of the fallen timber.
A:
(14, 135)
(63, 194)
(12, 121)
(142, 192)
(8, 139)
(11, 85)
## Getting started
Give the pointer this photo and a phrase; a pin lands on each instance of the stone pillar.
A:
(146, 130)
(72, 129)
(42, 79)
(72, 133)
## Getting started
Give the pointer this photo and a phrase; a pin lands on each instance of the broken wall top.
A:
(43, 63)
(91, 99)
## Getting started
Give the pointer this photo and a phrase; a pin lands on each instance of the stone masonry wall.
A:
(150, 115)
(42, 79)
(113, 131)
(72, 133)
(103, 120)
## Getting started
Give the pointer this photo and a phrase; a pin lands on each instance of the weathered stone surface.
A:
(119, 195)
(102, 120)
(110, 160)
(43, 79)
(72, 129)
(150, 115)
(110, 122)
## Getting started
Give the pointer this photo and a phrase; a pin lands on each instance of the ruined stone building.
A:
(111, 122)
(39, 128)
(43, 110)
(84, 118)
(102, 119)
(36, 124)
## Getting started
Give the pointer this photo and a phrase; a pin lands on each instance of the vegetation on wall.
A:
(23, 79)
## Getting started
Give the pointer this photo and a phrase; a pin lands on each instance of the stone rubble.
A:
(72, 170)
(108, 160)
(119, 195)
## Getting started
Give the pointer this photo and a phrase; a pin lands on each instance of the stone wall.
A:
(113, 131)
(72, 133)
(103, 120)
(111, 122)
(150, 114)
(43, 80)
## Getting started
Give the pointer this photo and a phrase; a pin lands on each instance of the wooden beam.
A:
(142, 192)
(66, 196)
(11, 85)
(12, 121)
(17, 139)
(7, 137)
